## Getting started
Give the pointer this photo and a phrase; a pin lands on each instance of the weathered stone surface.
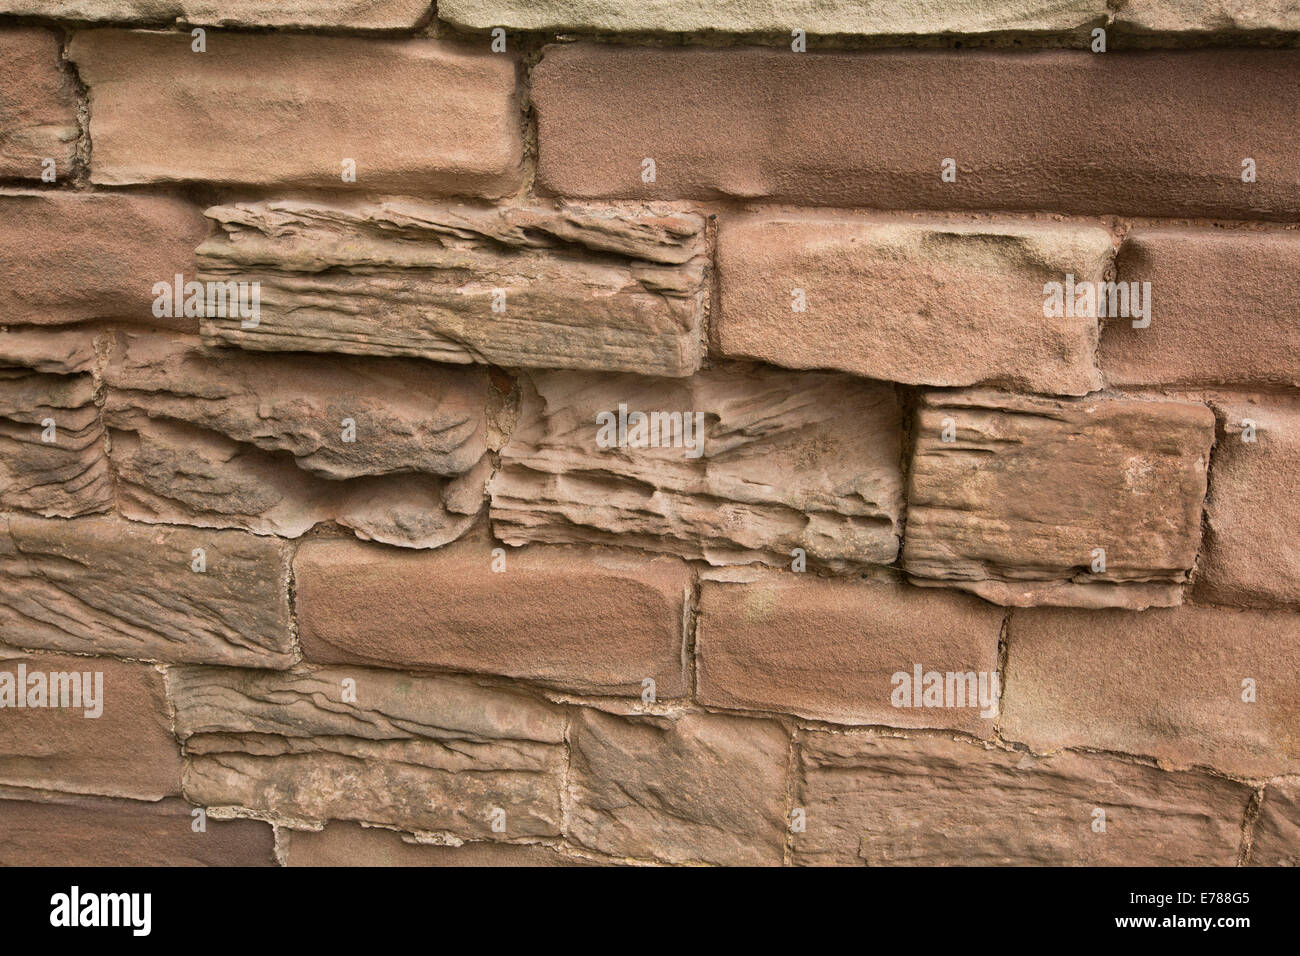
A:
(126, 751)
(352, 14)
(416, 116)
(828, 649)
(778, 16)
(783, 460)
(349, 844)
(873, 129)
(81, 831)
(1252, 549)
(881, 801)
(421, 753)
(593, 621)
(694, 788)
(930, 303)
(73, 256)
(1168, 684)
(1208, 16)
(223, 438)
(584, 287)
(1208, 326)
(52, 455)
(1277, 831)
(108, 586)
(1014, 507)
(38, 106)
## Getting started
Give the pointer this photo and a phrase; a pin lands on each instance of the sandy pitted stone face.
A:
(829, 649)
(592, 620)
(574, 286)
(1252, 542)
(126, 751)
(1208, 16)
(105, 585)
(1277, 830)
(1016, 500)
(38, 106)
(776, 461)
(927, 303)
(860, 17)
(1222, 309)
(77, 256)
(888, 801)
(97, 831)
(1189, 686)
(224, 438)
(415, 116)
(872, 129)
(424, 754)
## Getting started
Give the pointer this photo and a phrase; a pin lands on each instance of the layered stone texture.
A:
(38, 106)
(884, 801)
(261, 442)
(775, 461)
(423, 754)
(107, 586)
(1208, 16)
(1187, 686)
(87, 831)
(75, 256)
(52, 455)
(413, 116)
(927, 303)
(591, 620)
(873, 17)
(830, 650)
(1208, 327)
(698, 788)
(1016, 505)
(873, 129)
(566, 287)
(126, 750)
(1252, 549)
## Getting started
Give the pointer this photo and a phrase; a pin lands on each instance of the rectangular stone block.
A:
(928, 302)
(1191, 687)
(350, 743)
(108, 586)
(888, 801)
(569, 287)
(775, 461)
(1030, 500)
(414, 116)
(778, 16)
(1252, 548)
(594, 621)
(349, 14)
(831, 650)
(698, 788)
(875, 128)
(82, 831)
(88, 725)
(1223, 309)
(392, 448)
(38, 106)
(1218, 17)
(75, 256)
(351, 845)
